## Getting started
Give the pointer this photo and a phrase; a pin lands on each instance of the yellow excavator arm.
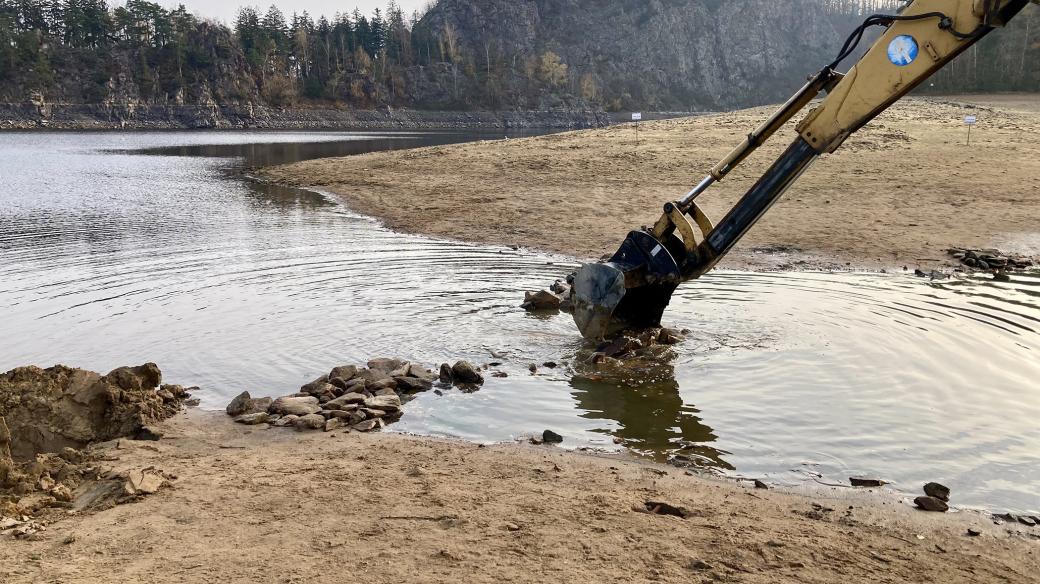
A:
(635, 286)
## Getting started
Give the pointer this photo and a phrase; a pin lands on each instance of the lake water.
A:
(121, 248)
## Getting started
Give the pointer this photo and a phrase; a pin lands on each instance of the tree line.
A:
(85, 51)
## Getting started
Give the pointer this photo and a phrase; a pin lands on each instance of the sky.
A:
(225, 9)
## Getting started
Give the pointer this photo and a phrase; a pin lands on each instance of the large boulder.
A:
(295, 406)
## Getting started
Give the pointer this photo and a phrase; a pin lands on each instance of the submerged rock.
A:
(463, 372)
(541, 300)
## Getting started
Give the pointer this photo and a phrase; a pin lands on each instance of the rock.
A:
(314, 387)
(385, 365)
(413, 384)
(465, 372)
(285, 421)
(334, 424)
(244, 404)
(348, 385)
(659, 508)
(6, 463)
(254, 419)
(550, 437)
(931, 504)
(344, 414)
(148, 433)
(620, 346)
(368, 425)
(446, 375)
(867, 482)
(357, 417)
(370, 413)
(323, 391)
(345, 400)
(61, 493)
(145, 376)
(512, 526)
(669, 336)
(295, 406)
(760, 485)
(388, 383)
(700, 565)
(550, 365)
(310, 422)
(1025, 520)
(387, 403)
(973, 532)
(344, 372)
(542, 300)
(938, 491)
(500, 374)
(143, 482)
(420, 372)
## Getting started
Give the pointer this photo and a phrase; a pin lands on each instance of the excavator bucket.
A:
(631, 290)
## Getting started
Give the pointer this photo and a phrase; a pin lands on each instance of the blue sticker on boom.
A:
(902, 50)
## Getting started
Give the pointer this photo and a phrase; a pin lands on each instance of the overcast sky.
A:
(225, 9)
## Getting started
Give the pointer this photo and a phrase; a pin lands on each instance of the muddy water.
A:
(109, 257)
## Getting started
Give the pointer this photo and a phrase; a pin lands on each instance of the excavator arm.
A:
(635, 286)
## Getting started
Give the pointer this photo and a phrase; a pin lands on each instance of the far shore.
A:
(899, 194)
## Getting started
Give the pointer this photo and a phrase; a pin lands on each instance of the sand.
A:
(251, 505)
(899, 193)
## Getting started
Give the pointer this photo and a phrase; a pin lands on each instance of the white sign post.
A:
(637, 117)
(970, 121)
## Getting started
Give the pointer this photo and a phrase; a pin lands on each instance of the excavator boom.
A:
(634, 287)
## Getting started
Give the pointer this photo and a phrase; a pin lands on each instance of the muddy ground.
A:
(899, 193)
(252, 505)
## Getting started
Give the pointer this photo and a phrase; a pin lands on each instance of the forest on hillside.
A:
(451, 56)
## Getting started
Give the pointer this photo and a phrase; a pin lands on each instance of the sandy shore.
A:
(899, 193)
(280, 506)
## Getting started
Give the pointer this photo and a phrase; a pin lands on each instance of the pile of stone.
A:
(559, 296)
(651, 343)
(352, 398)
(990, 259)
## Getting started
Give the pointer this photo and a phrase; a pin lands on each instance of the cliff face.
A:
(655, 54)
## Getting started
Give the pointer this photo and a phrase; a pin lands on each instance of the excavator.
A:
(634, 287)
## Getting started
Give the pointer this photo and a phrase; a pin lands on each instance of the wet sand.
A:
(250, 505)
(899, 193)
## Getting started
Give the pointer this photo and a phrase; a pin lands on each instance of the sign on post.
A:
(970, 121)
(637, 116)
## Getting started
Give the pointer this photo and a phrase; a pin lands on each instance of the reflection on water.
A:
(108, 258)
(649, 418)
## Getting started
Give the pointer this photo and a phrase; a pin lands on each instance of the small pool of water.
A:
(111, 257)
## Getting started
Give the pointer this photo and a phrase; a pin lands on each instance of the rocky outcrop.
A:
(655, 54)
(47, 410)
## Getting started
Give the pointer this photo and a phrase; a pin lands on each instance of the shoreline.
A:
(83, 117)
(246, 502)
(578, 193)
